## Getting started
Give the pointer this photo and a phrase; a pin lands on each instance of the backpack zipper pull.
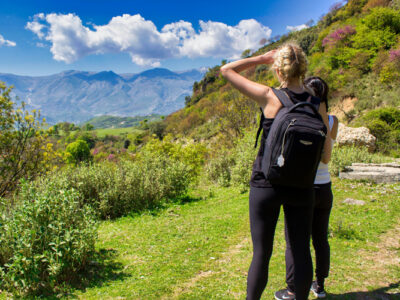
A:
(281, 159)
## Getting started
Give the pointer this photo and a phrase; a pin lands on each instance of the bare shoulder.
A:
(272, 104)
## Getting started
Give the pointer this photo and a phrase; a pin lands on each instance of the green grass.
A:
(202, 249)
(116, 131)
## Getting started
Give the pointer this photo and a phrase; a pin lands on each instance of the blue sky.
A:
(129, 36)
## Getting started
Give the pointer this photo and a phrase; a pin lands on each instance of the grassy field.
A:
(200, 248)
(116, 131)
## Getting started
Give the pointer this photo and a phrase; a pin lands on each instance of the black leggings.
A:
(265, 205)
(319, 233)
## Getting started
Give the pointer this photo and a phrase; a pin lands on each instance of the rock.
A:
(354, 201)
(359, 136)
(378, 173)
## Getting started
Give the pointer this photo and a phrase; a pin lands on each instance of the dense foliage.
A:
(346, 155)
(384, 123)
(45, 240)
(77, 152)
(116, 189)
(354, 47)
(24, 151)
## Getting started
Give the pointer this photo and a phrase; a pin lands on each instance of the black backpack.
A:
(293, 148)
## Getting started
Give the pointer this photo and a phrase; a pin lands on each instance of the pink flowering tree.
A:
(394, 56)
(339, 35)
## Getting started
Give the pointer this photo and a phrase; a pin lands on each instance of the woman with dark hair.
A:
(322, 210)
(265, 200)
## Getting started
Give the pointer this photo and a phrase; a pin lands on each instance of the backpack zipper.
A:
(281, 159)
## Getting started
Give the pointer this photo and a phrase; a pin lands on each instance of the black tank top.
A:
(257, 176)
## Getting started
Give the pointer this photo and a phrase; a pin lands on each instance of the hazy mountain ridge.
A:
(77, 96)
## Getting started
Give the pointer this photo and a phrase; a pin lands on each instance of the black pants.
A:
(265, 205)
(319, 233)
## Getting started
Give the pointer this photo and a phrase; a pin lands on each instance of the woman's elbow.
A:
(224, 71)
(325, 160)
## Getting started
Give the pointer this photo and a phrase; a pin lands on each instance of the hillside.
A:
(76, 96)
(355, 48)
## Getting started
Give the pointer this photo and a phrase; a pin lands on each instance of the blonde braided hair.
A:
(291, 62)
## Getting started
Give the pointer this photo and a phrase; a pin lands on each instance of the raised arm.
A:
(258, 92)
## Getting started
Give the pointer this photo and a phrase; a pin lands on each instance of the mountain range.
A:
(77, 96)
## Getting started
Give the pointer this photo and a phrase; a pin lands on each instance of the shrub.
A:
(384, 124)
(346, 155)
(45, 240)
(382, 18)
(371, 95)
(375, 3)
(189, 153)
(233, 165)
(24, 151)
(244, 155)
(115, 189)
(218, 169)
(77, 152)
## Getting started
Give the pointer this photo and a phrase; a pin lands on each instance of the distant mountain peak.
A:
(76, 96)
(156, 72)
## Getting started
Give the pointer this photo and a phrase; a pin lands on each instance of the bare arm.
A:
(258, 92)
(327, 151)
(335, 127)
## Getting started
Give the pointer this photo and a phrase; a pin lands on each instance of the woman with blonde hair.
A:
(265, 199)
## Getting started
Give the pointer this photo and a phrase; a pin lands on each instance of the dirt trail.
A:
(382, 257)
(226, 257)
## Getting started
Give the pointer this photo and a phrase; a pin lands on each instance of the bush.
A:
(45, 240)
(346, 155)
(218, 169)
(189, 153)
(24, 151)
(384, 124)
(371, 95)
(244, 156)
(233, 165)
(115, 189)
(77, 152)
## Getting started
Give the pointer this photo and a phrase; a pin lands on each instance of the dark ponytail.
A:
(319, 86)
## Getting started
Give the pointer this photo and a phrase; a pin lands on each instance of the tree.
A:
(88, 127)
(246, 53)
(158, 128)
(24, 152)
(77, 152)
(144, 124)
(55, 129)
(187, 100)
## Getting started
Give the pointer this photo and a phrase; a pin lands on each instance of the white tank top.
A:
(323, 175)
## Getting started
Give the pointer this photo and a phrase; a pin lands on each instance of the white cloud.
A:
(4, 42)
(297, 28)
(71, 40)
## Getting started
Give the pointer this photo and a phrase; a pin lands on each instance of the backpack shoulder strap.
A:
(283, 97)
(259, 127)
(315, 101)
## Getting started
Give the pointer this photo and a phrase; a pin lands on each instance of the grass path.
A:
(202, 249)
